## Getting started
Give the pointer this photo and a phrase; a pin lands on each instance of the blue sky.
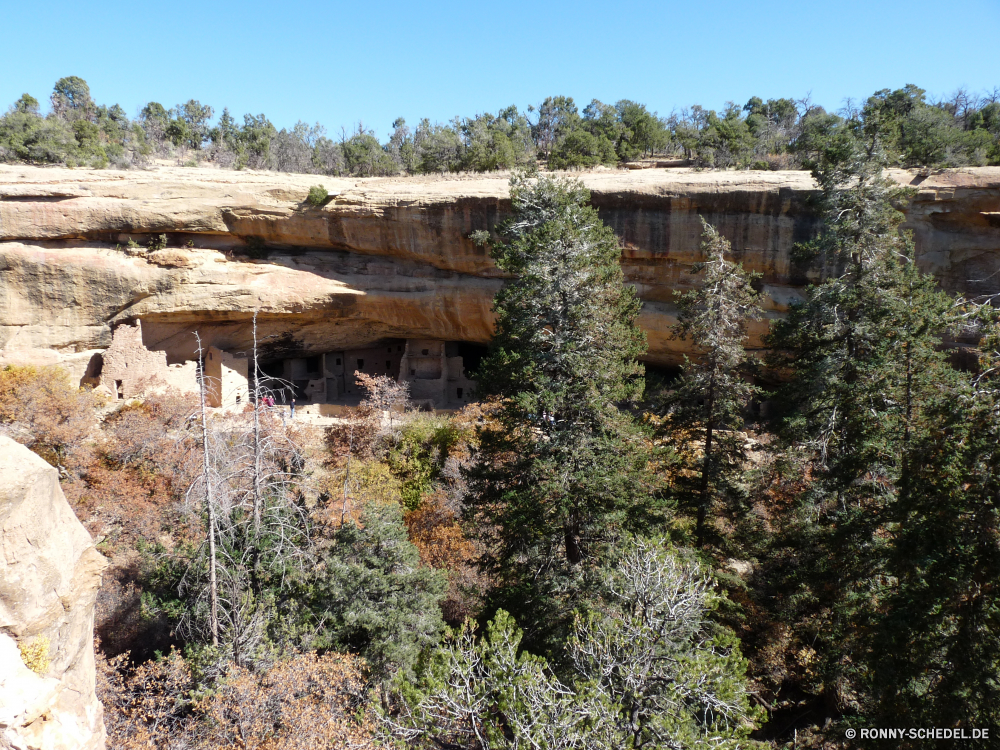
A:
(337, 63)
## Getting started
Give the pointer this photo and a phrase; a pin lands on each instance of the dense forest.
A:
(753, 552)
(960, 130)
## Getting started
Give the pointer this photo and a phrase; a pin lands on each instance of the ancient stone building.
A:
(434, 369)
(128, 369)
(225, 379)
(436, 374)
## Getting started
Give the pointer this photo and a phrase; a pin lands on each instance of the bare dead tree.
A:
(258, 532)
(209, 503)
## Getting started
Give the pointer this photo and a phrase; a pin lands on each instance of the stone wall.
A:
(128, 368)
(225, 379)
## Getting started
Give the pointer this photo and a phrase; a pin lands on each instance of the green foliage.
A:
(557, 118)
(560, 470)
(492, 143)
(371, 596)
(580, 148)
(317, 195)
(257, 248)
(439, 147)
(934, 657)
(24, 136)
(865, 349)
(417, 455)
(714, 390)
(27, 105)
(650, 669)
(773, 134)
(365, 157)
(71, 98)
(641, 132)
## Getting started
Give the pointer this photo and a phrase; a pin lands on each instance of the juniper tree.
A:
(649, 669)
(713, 391)
(560, 470)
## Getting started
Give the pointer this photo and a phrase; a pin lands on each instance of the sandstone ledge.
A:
(390, 257)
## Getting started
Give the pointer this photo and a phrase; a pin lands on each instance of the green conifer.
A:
(560, 471)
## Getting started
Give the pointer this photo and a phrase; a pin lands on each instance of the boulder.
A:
(49, 575)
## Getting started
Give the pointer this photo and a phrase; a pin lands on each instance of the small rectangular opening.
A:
(338, 360)
(361, 364)
(388, 364)
(460, 393)
(425, 352)
(119, 390)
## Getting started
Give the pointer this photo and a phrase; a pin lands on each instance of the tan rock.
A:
(391, 258)
(49, 575)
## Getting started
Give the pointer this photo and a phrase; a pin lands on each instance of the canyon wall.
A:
(49, 575)
(390, 257)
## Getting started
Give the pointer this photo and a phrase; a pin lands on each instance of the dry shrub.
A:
(42, 409)
(436, 531)
(148, 705)
(307, 702)
(129, 497)
(373, 419)
(145, 460)
(357, 437)
(369, 483)
(303, 702)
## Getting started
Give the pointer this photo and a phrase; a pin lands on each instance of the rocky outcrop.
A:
(390, 257)
(49, 575)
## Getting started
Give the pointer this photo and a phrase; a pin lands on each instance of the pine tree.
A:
(864, 347)
(560, 470)
(713, 391)
(936, 656)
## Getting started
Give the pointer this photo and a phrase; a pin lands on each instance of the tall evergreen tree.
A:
(936, 658)
(560, 470)
(864, 348)
(713, 390)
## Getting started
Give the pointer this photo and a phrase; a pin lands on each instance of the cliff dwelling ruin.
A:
(436, 371)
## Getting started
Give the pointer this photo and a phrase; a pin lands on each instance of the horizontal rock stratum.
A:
(390, 257)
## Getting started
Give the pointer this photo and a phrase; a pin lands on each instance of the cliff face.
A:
(49, 576)
(390, 257)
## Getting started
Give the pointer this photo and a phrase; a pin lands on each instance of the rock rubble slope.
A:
(390, 257)
(49, 575)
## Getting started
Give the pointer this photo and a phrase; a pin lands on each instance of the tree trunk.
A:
(573, 552)
(704, 497)
(210, 505)
(256, 432)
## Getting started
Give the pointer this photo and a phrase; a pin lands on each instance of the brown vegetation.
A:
(302, 702)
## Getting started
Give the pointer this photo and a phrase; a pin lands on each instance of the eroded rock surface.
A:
(390, 257)
(49, 575)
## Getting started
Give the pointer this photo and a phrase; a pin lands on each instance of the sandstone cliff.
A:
(49, 576)
(390, 257)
